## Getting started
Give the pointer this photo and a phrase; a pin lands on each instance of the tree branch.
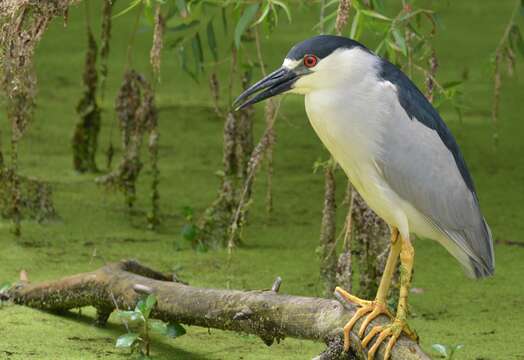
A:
(267, 314)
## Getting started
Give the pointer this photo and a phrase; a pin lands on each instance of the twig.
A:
(276, 285)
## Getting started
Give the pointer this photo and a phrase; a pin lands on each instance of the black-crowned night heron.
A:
(398, 154)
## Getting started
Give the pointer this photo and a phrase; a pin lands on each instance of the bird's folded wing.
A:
(422, 163)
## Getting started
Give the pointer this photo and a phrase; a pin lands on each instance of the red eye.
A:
(310, 61)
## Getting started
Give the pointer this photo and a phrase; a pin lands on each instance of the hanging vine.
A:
(510, 44)
(87, 128)
(22, 25)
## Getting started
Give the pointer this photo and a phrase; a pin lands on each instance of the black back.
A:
(418, 107)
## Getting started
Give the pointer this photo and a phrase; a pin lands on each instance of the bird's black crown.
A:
(321, 46)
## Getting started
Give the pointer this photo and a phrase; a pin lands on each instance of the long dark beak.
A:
(275, 83)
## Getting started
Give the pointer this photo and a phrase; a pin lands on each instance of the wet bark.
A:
(267, 314)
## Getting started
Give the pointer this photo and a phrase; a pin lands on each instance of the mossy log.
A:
(265, 313)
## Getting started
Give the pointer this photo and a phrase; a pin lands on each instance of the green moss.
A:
(485, 315)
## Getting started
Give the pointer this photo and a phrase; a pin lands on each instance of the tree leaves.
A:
(516, 41)
(198, 53)
(400, 41)
(374, 14)
(141, 341)
(189, 232)
(355, 26)
(4, 287)
(245, 20)
(175, 330)
(282, 5)
(157, 326)
(211, 40)
(127, 340)
(132, 5)
(130, 315)
(144, 306)
(447, 352)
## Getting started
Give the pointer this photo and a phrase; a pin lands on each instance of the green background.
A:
(485, 316)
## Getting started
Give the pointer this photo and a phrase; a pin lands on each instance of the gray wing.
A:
(422, 163)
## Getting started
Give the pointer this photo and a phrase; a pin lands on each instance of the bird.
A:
(398, 154)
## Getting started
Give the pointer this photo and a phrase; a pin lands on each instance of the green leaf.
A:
(126, 340)
(265, 12)
(131, 6)
(189, 232)
(149, 304)
(515, 39)
(145, 305)
(129, 315)
(441, 349)
(188, 212)
(148, 15)
(157, 326)
(283, 6)
(354, 26)
(182, 56)
(331, 2)
(411, 14)
(357, 5)
(378, 5)
(326, 19)
(380, 48)
(224, 20)
(392, 51)
(198, 54)
(522, 7)
(211, 40)
(439, 25)
(175, 330)
(201, 248)
(452, 84)
(400, 41)
(182, 8)
(376, 15)
(247, 17)
(185, 27)
(330, 26)
(4, 287)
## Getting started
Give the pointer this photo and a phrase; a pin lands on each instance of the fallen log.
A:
(267, 314)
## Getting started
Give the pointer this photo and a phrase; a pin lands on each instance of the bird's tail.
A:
(483, 264)
(473, 249)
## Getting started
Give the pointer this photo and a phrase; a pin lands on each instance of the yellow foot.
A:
(372, 308)
(393, 331)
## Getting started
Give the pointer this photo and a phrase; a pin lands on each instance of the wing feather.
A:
(422, 163)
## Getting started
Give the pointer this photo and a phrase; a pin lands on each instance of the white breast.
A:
(350, 122)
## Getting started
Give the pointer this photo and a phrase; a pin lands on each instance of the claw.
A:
(374, 308)
(393, 330)
(347, 328)
(378, 309)
(351, 298)
(392, 341)
(374, 331)
(387, 331)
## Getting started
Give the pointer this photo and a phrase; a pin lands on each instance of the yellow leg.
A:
(385, 283)
(379, 305)
(395, 329)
